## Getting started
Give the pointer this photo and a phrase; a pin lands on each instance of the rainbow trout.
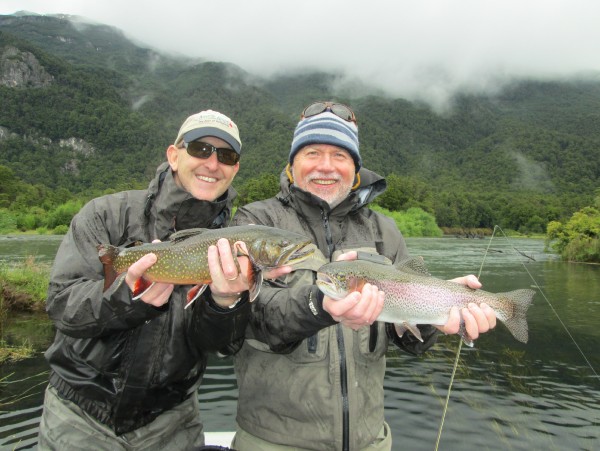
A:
(413, 296)
(183, 259)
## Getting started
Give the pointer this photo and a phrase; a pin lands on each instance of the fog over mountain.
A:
(424, 50)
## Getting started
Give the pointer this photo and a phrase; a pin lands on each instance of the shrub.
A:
(8, 221)
(414, 222)
(60, 230)
(578, 239)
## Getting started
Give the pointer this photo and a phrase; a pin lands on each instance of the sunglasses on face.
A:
(200, 149)
(339, 109)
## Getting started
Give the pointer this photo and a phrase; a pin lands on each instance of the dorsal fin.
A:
(413, 265)
(185, 234)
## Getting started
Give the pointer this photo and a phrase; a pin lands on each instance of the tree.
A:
(403, 193)
(262, 187)
(579, 238)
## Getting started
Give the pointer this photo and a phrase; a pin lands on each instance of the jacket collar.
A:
(170, 208)
(371, 186)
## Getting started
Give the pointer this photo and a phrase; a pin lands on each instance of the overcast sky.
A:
(411, 48)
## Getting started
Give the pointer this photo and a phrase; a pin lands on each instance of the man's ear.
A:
(173, 156)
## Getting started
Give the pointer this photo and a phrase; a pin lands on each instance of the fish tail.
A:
(513, 312)
(107, 254)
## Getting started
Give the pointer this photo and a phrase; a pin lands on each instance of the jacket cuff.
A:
(217, 308)
(315, 304)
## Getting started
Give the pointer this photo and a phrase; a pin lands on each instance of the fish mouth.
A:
(296, 253)
(328, 286)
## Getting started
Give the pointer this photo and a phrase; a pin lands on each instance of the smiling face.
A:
(324, 170)
(205, 179)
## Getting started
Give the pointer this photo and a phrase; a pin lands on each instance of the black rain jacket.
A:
(123, 361)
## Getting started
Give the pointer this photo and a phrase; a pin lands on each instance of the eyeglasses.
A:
(200, 149)
(339, 109)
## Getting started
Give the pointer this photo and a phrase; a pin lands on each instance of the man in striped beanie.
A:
(327, 128)
(310, 371)
(326, 149)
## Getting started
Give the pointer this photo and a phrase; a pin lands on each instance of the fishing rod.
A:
(456, 360)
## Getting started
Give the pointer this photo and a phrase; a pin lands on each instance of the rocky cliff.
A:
(20, 69)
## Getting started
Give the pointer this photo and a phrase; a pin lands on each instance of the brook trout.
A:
(413, 296)
(183, 259)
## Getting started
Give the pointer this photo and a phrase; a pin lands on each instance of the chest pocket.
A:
(372, 343)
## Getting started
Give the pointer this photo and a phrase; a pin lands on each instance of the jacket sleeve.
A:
(286, 311)
(218, 329)
(283, 317)
(76, 301)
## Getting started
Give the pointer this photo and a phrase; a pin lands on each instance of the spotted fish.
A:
(413, 296)
(182, 260)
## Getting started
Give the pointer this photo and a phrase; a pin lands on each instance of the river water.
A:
(505, 396)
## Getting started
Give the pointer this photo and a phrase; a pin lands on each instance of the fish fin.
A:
(462, 331)
(255, 281)
(413, 265)
(140, 287)
(410, 327)
(374, 258)
(254, 276)
(400, 329)
(107, 254)
(515, 320)
(185, 234)
(194, 293)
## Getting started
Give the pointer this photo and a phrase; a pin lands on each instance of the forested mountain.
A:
(84, 110)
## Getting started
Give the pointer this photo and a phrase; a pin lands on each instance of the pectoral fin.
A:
(194, 294)
(462, 331)
(255, 280)
(403, 327)
(140, 287)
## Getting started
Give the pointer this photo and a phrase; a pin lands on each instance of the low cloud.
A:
(424, 50)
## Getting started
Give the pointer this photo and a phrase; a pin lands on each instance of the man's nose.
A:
(326, 162)
(212, 162)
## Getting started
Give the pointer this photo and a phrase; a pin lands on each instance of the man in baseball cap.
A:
(127, 359)
(206, 153)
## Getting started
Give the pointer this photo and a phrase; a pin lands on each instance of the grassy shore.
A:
(23, 288)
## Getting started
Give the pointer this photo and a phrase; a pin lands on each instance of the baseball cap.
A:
(210, 123)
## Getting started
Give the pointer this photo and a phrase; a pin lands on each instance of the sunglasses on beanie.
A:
(339, 109)
(200, 149)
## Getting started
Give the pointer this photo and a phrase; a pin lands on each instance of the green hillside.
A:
(523, 157)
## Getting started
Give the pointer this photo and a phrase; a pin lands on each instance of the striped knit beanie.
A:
(326, 128)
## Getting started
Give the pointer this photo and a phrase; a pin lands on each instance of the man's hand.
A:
(159, 293)
(228, 279)
(357, 309)
(478, 318)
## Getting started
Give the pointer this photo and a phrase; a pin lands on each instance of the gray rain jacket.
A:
(123, 361)
(305, 380)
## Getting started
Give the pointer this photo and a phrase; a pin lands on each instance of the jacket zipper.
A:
(344, 387)
(342, 352)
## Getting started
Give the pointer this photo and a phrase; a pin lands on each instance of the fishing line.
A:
(456, 360)
(549, 303)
